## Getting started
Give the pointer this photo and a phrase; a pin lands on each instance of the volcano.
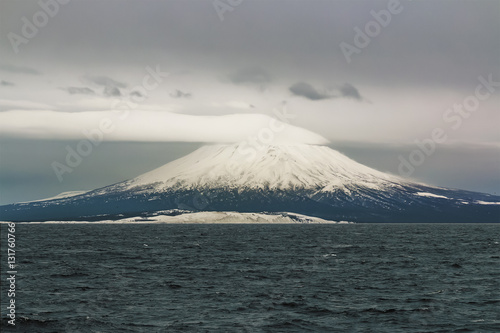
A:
(302, 179)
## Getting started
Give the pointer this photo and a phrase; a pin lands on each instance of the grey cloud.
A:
(111, 86)
(79, 90)
(106, 81)
(306, 90)
(18, 69)
(349, 91)
(180, 94)
(6, 83)
(111, 91)
(251, 75)
(459, 39)
(136, 93)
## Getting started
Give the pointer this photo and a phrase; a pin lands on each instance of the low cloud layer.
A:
(13, 104)
(251, 76)
(151, 126)
(18, 69)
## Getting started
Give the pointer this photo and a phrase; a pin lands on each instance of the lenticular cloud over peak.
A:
(153, 126)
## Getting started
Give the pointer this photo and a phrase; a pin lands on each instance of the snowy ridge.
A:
(430, 195)
(61, 195)
(229, 217)
(213, 217)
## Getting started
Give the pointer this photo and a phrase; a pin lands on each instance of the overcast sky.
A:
(193, 72)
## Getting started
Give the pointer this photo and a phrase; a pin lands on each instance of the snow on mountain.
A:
(61, 195)
(430, 195)
(229, 217)
(273, 167)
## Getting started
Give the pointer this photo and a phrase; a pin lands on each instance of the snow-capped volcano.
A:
(304, 179)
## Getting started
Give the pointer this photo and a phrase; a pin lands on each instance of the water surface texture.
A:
(256, 278)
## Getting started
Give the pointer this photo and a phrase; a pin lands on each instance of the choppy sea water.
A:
(255, 278)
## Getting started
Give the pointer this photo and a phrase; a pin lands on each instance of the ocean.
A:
(254, 278)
